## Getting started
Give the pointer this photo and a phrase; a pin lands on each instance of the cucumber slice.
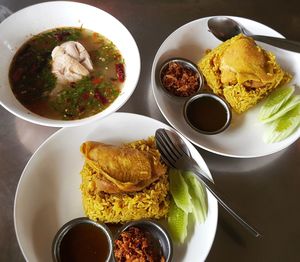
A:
(177, 223)
(274, 101)
(284, 126)
(199, 196)
(290, 104)
(180, 191)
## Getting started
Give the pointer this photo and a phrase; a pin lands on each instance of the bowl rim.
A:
(217, 98)
(12, 104)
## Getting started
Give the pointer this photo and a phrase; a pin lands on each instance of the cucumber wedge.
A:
(177, 223)
(180, 191)
(283, 126)
(199, 196)
(290, 104)
(274, 102)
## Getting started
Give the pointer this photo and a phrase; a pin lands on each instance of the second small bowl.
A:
(158, 234)
(207, 113)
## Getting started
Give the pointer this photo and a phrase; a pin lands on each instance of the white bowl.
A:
(20, 26)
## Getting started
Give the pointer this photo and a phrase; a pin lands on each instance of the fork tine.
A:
(168, 150)
(164, 150)
(169, 144)
(163, 156)
(176, 147)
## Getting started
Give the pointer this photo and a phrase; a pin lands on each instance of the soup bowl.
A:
(22, 25)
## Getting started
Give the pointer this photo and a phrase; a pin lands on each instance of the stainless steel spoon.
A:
(175, 153)
(225, 28)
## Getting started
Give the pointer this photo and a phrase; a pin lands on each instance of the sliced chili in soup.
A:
(32, 80)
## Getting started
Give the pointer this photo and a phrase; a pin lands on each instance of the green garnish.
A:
(48, 78)
(289, 104)
(199, 196)
(188, 196)
(283, 126)
(274, 102)
(177, 223)
(180, 191)
(281, 114)
(84, 96)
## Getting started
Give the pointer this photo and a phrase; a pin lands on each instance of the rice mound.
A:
(242, 72)
(151, 202)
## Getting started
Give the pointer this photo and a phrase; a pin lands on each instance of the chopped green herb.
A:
(83, 97)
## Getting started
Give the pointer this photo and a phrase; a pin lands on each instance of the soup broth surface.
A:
(32, 80)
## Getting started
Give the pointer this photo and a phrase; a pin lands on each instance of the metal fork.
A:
(175, 153)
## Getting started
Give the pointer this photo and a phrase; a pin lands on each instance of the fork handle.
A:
(213, 189)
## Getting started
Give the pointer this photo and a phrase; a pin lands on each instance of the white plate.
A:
(48, 193)
(244, 137)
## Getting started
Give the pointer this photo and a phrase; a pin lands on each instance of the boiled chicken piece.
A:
(70, 62)
(78, 52)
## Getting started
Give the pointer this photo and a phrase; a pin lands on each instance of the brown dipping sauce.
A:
(84, 242)
(207, 114)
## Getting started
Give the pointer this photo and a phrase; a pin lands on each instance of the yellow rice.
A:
(151, 202)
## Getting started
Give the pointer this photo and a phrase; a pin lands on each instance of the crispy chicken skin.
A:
(242, 72)
(121, 169)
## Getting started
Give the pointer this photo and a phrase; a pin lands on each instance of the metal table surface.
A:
(266, 189)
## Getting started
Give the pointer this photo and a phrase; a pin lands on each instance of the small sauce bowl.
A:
(207, 113)
(180, 77)
(83, 239)
(159, 237)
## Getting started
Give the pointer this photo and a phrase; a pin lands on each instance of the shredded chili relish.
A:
(134, 244)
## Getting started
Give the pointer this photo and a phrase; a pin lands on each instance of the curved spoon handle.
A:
(213, 189)
(279, 42)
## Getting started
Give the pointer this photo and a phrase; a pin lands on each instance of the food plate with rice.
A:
(49, 193)
(244, 137)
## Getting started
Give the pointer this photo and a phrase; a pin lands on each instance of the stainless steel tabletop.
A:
(265, 189)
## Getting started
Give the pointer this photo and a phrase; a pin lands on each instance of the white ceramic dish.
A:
(244, 136)
(20, 26)
(48, 193)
